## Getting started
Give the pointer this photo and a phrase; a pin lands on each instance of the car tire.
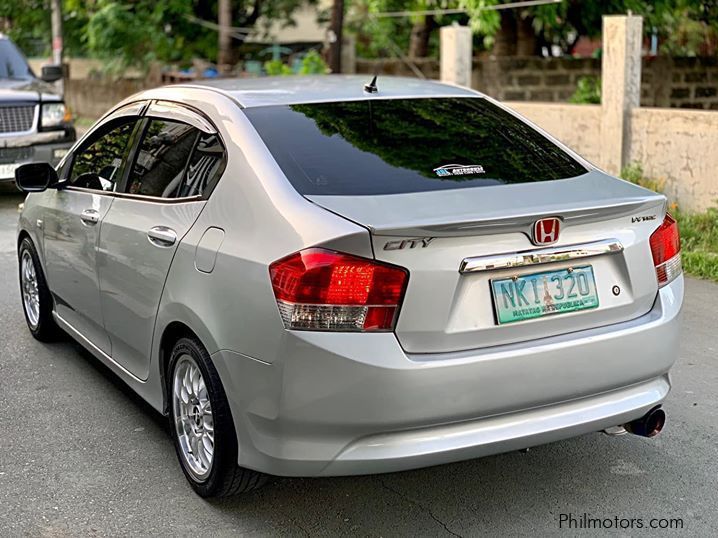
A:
(35, 295)
(205, 443)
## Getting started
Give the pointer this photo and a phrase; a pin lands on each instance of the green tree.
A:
(134, 33)
(413, 36)
(27, 22)
(684, 26)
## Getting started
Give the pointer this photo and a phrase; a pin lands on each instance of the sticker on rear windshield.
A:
(459, 170)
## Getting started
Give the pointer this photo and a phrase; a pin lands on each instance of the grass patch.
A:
(699, 242)
(699, 231)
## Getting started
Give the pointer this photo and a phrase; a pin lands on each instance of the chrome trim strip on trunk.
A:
(540, 256)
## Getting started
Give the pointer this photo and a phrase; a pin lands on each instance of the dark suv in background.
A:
(35, 123)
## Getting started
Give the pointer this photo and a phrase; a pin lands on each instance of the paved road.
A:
(81, 455)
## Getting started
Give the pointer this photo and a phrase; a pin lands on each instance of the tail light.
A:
(666, 250)
(323, 290)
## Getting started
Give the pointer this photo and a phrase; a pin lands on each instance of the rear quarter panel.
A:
(263, 219)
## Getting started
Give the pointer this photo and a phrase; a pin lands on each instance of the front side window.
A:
(162, 158)
(98, 164)
(391, 146)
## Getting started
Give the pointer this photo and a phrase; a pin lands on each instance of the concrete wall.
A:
(532, 79)
(397, 67)
(680, 147)
(680, 82)
(665, 82)
(91, 98)
(80, 68)
(577, 126)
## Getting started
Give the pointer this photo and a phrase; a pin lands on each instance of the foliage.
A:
(312, 64)
(390, 36)
(482, 21)
(687, 27)
(28, 25)
(377, 37)
(699, 231)
(134, 33)
(277, 67)
(699, 242)
(588, 91)
(633, 172)
(683, 26)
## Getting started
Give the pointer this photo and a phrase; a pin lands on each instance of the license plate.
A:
(7, 171)
(544, 294)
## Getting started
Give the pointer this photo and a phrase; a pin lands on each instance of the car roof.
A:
(264, 91)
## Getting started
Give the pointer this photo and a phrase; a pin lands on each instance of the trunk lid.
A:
(433, 233)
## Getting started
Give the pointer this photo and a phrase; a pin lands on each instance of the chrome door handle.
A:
(162, 236)
(90, 216)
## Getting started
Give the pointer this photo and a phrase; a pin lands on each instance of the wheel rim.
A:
(194, 423)
(30, 289)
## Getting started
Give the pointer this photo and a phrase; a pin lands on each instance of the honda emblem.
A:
(545, 231)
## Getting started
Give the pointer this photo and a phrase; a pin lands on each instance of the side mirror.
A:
(35, 177)
(51, 73)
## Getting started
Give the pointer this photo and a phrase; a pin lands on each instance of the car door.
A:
(73, 219)
(164, 192)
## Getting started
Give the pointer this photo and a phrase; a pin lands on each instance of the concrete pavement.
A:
(80, 454)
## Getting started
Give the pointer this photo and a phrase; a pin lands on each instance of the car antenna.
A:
(371, 87)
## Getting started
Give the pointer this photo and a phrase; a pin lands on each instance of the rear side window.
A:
(176, 160)
(205, 167)
(396, 146)
(162, 158)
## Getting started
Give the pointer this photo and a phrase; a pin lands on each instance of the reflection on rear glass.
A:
(406, 145)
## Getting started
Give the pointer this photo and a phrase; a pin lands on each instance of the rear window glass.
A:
(406, 145)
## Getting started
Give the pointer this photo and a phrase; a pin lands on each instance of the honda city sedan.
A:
(314, 276)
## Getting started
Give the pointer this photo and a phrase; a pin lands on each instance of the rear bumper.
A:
(342, 404)
(465, 440)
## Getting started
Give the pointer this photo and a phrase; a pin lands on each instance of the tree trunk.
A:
(525, 37)
(420, 35)
(57, 45)
(336, 28)
(505, 44)
(224, 55)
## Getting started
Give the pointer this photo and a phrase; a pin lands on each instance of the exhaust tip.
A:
(650, 425)
(615, 431)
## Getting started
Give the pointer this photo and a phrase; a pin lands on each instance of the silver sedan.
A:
(315, 276)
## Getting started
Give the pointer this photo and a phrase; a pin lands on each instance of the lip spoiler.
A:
(496, 209)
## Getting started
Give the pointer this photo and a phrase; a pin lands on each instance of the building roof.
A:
(263, 91)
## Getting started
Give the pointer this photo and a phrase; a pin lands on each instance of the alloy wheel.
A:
(30, 288)
(194, 423)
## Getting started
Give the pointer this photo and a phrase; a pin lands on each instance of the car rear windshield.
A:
(396, 146)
